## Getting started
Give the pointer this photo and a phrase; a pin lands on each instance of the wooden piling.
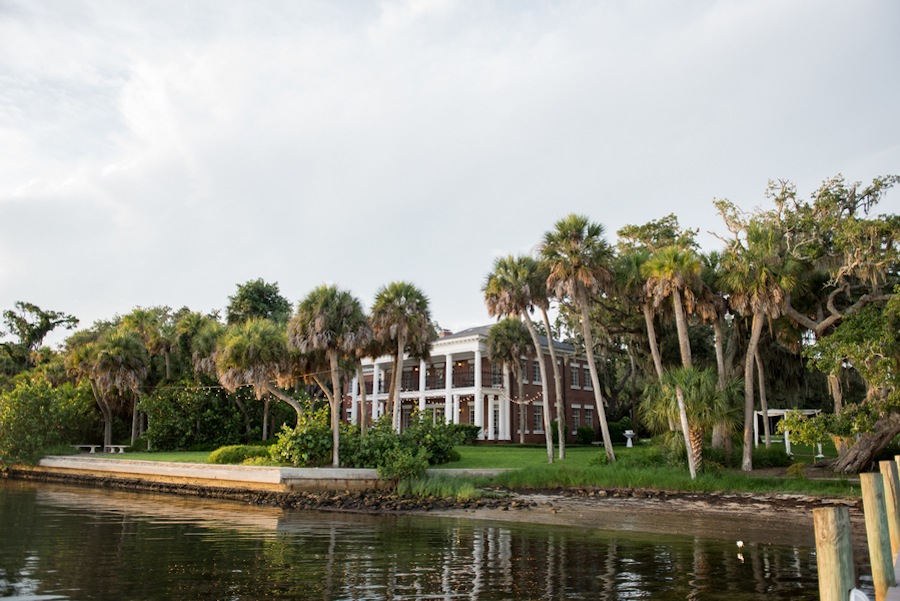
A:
(834, 553)
(892, 501)
(878, 534)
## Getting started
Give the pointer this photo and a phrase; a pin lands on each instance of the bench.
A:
(91, 447)
(115, 448)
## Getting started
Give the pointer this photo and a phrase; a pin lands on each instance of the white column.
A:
(422, 369)
(354, 400)
(376, 375)
(478, 405)
(490, 417)
(448, 394)
(455, 418)
(505, 432)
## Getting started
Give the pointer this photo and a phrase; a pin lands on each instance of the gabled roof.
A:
(482, 332)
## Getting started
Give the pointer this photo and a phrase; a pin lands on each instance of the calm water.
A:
(74, 543)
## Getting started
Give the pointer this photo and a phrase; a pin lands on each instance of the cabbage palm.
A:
(758, 277)
(632, 284)
(120, 365)
(508, 341)
(674, 272)
(578, 259)
(330, 321)
(691, 396)
(514, 288)
(255, 353)
(401, 316)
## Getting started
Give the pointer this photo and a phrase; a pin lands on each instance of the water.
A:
(79, 544)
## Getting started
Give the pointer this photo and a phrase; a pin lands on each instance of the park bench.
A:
(90, 447)
(115, 448)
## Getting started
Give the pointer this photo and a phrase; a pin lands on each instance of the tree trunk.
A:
(861, 455)
(749, 416)
(595, 379)
(651, 336)
(545, 388)
(362, 399)
(520, 382)
(286, 398)
(557, 383)
(837, 393)
(719, 430)
(134, 419)
(167, 355)
(685, 430)
(244, 414)
(697, 447)
(335, 410)
(763, 399)
(265, 425)
(398, 380)
(684, 343)
(106, 412)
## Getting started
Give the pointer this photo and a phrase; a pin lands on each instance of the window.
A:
(524, 370)
(589, 417)
(538, 421)
(576, 418)
(576, 372)
(536, 372)
(472, 413)
(496, 375)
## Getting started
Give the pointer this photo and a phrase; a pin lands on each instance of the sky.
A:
(161, 153)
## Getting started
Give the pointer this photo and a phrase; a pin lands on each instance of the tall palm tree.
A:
(120, 365)
(631, 285)
(674, 272)
(508, 341)
(758, 277)
(255, 353)
(513, 289)
(578, 259)
(401, 315)
(691, 396)
(330, 321)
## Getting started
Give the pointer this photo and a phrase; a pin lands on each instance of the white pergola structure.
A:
(780, 413)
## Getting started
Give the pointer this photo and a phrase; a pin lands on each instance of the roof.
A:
(482, 332)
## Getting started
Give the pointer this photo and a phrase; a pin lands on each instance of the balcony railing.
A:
(437, 381)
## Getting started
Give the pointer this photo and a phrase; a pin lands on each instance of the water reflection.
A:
(73, 543)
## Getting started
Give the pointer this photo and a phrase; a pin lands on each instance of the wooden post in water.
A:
(892, 502)
(834, 553)
(877, 533)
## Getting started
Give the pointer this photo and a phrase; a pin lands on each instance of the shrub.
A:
(617, 429)
(308, 444)
(468, 433)
(236, 454)
(402, 463)
(584, 435)
(772, 457)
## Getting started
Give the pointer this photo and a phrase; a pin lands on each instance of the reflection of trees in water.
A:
(119, 549)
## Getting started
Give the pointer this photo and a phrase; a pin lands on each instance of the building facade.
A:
(460, 384)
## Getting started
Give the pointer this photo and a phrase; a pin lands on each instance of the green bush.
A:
(236, 454)
(402, 463)
(617, 430)
(467, 433)
(772, 457)
(194, 418)
(584, 435)
(309, 444)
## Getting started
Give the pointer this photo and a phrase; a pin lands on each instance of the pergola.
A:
(776, 415)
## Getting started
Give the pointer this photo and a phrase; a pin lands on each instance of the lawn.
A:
(513, 456)
(172, 456)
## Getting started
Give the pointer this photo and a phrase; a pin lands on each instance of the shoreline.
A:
(750, 517)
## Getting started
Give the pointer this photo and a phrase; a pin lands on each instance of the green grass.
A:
(512, 456)
(171, 456)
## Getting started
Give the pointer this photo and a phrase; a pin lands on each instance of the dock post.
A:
(892, 501)
(834, 553)
(877, 534)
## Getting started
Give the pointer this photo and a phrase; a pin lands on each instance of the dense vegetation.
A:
(799, 308)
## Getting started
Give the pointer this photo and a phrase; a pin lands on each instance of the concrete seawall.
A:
(251, 478)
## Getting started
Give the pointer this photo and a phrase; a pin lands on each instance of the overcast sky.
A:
(160, 153)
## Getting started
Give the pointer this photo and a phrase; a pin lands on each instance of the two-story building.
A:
(460, 384)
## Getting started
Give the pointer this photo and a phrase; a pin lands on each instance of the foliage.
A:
(584, 435)
(403, 463)
(617, 430)
(30, 325)
(257, 299)
(771, 457)
(308, 444)
(441, 486)
(854, 419)
(189, 417)
(468, 433)
(34, 416)
(236, 454)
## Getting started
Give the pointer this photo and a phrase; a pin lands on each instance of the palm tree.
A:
(758, 278)
(255, 353)
(330, 321)
(692, 397)
(578, 260)
(120, 365)
(631, 284)
(673, 272)
(400, 315)
(508, 341)
(514, 288)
